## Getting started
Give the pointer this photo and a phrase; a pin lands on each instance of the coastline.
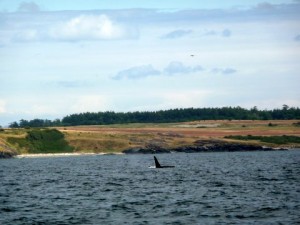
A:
(185, 137)
(140, 151)
(198, 146)
(204, 146)
(41, 155)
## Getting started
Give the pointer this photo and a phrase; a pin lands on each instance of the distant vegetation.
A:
(284, 139)
(164, 116)
(297, 124)
(42, 140)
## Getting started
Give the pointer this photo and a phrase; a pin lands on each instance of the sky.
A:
(59, 57)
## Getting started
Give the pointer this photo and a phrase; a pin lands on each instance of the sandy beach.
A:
(61, 155)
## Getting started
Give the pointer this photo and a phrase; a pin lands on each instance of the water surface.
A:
(203, 188)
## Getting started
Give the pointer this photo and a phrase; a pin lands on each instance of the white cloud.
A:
(224, 33)
(71, 83)
(265, 6)
(137, 72)
(173, 68)
(176, 34)
(2, 106)
(224, 71)
(43, 26)
(41, 109)
(185, 99)
(26, 35)
(168, 99)
(32, 107)
(176, 67)
(30, 7)
(211, 33)
(270, 103)
(90, 27)
(229, 71)
(99, 25)
(92, 103)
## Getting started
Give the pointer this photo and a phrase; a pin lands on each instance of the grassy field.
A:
(116, 138)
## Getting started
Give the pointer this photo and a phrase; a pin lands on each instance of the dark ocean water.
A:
(203, 188)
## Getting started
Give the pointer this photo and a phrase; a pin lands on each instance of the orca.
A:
(157, 164)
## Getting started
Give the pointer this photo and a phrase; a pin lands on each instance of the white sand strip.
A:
(63, 154)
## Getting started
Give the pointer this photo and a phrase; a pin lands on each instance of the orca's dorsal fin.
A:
(157, 165)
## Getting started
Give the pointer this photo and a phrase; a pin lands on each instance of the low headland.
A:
(152, 138)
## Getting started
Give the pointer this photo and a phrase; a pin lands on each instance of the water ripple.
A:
(215, 188)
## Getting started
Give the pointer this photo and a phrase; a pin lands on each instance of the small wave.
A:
(107, 190)
(114, 184)
(180, 213)
(121, 207)
(158, 207)
(264, 178)
(268, 209)
(7, 209)
(142, 202)
(185, 202)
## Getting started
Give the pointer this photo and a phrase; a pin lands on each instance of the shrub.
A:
(272, 125)
(284, 139)
(43, 141)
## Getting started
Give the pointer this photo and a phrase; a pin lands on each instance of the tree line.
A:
(164, 116)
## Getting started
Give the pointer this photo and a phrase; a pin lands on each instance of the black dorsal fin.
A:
(157, 165)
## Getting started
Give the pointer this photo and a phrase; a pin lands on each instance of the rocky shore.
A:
(6, 152)
(197, 146)
(201, 146)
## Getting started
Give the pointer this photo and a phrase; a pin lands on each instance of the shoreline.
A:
(41, 155)
(137, 151)
(203, 146)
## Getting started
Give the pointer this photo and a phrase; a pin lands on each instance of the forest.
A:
(164, 116)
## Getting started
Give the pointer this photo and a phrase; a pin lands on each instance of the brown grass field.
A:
(116, 138)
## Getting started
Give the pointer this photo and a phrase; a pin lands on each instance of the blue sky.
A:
(56, 5)
(63, 57)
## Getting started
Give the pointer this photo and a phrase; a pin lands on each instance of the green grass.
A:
(42, 141)
(284, 139)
